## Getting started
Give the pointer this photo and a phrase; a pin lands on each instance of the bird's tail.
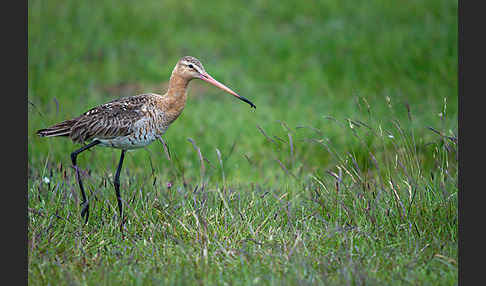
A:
(59, 129)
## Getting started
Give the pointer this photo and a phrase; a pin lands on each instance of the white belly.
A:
(125, 142)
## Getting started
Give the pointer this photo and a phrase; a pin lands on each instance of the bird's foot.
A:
(85, 211)
(122, 224)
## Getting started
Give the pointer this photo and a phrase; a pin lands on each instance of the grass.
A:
(346, 173)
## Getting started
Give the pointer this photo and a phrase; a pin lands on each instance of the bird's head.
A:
(190, 68)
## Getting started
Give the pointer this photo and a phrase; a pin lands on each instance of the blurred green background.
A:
(346, 94)
(299, 62)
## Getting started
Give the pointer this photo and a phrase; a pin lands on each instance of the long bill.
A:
(206, 77)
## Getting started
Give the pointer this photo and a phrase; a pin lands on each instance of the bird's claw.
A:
(122, 223)
(85, 211)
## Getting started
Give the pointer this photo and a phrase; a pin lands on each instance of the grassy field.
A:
(345, 174)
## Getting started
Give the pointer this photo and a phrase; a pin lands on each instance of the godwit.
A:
(132, 122)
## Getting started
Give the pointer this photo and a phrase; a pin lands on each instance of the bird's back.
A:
(126, 123)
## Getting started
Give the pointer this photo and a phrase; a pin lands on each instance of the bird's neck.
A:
(177, 87)
(175, 99)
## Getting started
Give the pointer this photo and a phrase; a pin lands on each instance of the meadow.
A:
(346, 173)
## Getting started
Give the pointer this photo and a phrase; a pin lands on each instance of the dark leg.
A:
(85, 210)
(117, 186)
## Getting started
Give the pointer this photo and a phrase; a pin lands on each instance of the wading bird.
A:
(132, 122)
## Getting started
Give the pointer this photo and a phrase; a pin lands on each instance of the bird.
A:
(132, 122)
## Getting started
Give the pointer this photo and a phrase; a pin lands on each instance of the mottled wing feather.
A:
(112, 119)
